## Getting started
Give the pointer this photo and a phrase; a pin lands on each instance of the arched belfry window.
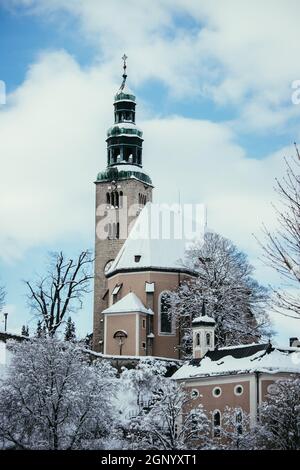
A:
(198, 342)
(208, 339)
(165, 320)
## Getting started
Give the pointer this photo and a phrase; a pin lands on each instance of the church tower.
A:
(121, 192)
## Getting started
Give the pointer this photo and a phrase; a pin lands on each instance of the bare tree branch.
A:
(60, 292)
(281, 249)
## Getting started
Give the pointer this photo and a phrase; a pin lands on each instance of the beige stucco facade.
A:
(254, 388)
(106, 248)
(162, 344)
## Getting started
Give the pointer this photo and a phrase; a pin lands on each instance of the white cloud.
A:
(51, 142)
(242, 53)
(52, 135)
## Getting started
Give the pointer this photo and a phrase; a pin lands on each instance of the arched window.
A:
(197, 339)
(109, 231)
(115, 154)
(165, 326)
(216, 423)
(118, 230)
(112, 199)
(208, 339)
(139, 156)
(107, 198)
(116, 199)
(121, 199)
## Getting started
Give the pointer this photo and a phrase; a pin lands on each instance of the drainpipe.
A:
(257, 395)
(179, 329)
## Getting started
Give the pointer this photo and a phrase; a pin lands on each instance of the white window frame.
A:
(236, 392)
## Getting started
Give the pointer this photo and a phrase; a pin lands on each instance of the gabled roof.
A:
(242, 359)
(154, 244)
(129, 303)
(204, 320)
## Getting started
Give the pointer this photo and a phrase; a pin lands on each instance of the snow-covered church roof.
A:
(129, 303)
(159, 240)
(240, 360)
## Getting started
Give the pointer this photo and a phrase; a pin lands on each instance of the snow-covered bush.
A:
(279, 423)
(52, 398)
(235, 431)
(158, 411)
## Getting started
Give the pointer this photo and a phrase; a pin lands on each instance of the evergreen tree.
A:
(40, 330)
(70, 334)
(25, 331)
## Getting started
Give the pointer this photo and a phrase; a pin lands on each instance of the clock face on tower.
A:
(108, 266)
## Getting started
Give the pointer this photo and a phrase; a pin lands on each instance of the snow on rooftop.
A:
(129, 303)
(261, 361)
(203, 319)
(159, 238)
(126, 125)
(127, 167)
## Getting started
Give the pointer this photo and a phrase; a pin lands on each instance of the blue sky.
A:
(214, 101)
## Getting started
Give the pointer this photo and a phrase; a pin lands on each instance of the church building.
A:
(136, 266)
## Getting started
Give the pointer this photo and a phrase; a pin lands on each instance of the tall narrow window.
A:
(239, 421)
(121, 199)
(165, 314)
(116, 199)
(216, 424)
(208, 336)
(197, 339)
(107, 198)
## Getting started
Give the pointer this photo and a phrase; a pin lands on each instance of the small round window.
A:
(238, 390)
(217, 392)
(194, 393)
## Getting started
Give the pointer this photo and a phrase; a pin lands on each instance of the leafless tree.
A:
(60, 292)
(281, 249)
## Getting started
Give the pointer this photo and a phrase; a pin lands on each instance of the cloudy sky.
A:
(214, 83)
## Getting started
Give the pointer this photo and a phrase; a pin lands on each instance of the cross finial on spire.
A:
(124, 58)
